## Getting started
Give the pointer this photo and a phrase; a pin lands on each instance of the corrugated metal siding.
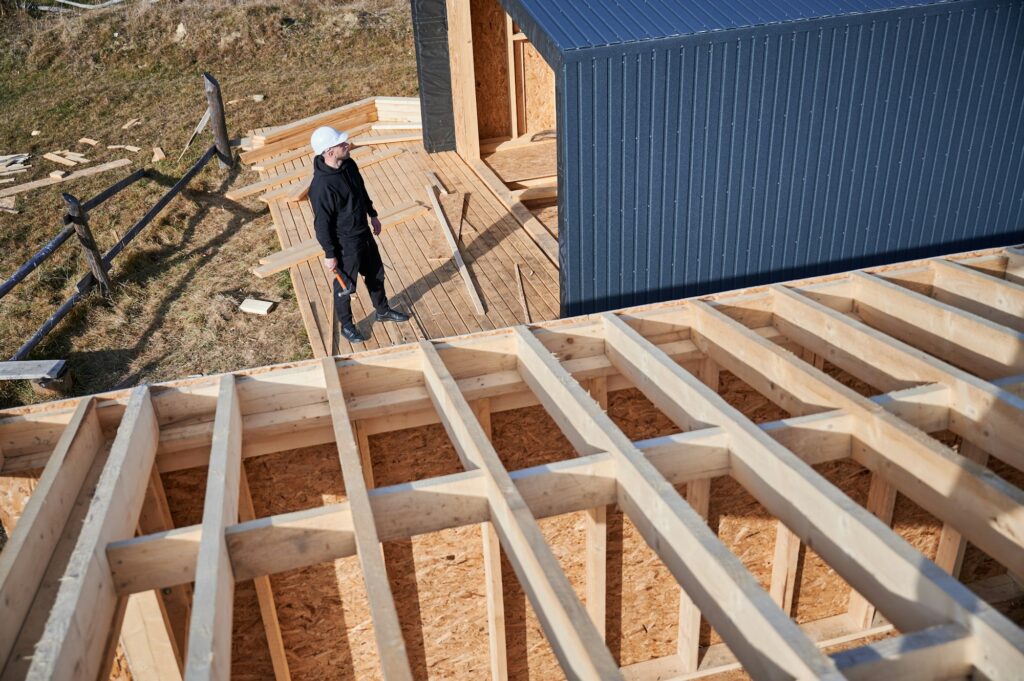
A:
(574, 25)
(771, 154)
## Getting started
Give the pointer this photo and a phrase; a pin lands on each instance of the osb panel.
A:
(15, 489)
(539, 91)
(490, 63)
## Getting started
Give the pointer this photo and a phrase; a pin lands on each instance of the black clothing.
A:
(360, 257)
(340, 205)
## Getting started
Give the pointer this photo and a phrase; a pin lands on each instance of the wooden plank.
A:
(59, 159)
(374, 140)
(264, 592)
(940, 652)
(983, 413)
(31, 369)
(314, 121)
(46, 182)
(575, 641)
(698, 496)
(463, 75)
(267, 184)
(401, 511)
(151, 653)
(982, 347)
(386, 628)
(209, 641)
(446, 230)
(299, 138)
(35, 538)
(537, 231)
(86, 603)
(496, 643)
(866, 553)
(274, 162)
(763, 637)
(596, 524)
(996, 299)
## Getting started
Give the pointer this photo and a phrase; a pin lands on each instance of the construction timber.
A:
(936, 346)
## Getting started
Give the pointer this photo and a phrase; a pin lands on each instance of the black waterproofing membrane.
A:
(430, 31)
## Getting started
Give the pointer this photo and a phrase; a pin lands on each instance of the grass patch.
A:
(173, 310)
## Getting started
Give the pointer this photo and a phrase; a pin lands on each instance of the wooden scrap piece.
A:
(18, 189)
(59, 174)
(256, 306)
(59, 159)
(88, 140)
(130, 123)
(158, 154)
(7, 206)
(37, 133)
(6, 180)
(446, 229)
(132, 149)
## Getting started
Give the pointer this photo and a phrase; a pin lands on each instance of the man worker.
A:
(340, 209)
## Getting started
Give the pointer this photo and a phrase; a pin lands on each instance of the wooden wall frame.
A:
(940, 357)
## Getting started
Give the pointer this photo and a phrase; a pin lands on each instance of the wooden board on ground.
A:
(18, 189)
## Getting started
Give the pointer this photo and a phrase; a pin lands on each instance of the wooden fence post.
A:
(217, 122)
(78, 217)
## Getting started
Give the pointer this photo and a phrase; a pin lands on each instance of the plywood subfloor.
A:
(526, 162)
(421, 276)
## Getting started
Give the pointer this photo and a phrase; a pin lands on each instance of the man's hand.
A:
(375, 223)
(330, 264)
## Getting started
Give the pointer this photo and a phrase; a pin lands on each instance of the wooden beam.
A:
(262, 547)
(573, 637)
(152, 654)
(386, 628)
(209, 641)
(1000, 300)
(463, 74)
(33, 541)
(86, 603)
(939, 652)
(446, 229)
(513, 108)
(762, 636)
(269, 183)
(264, 592)
(47, 181)
(984, 413)
(913, 593)
(596, 522)
(497, 645)
(975, 343)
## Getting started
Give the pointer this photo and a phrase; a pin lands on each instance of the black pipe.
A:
(48, 325)
(36, 260)
(62, 236)
(158, 206)
(113, 189)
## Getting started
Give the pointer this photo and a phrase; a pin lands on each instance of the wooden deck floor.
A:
(421, 276)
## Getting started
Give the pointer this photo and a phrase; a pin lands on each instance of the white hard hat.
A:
(326, 137)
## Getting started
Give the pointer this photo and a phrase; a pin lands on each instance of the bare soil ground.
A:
(173, 311)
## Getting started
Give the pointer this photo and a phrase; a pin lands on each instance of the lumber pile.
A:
(13, 164)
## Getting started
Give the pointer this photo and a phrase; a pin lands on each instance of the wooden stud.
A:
(497, 647)
(597, 537)
(209, 641)
(386, 628)
(952, 545)
(264, 592)
(41, 524)
(1000, 300)
(881, 503)
(722, 588)
(86, 603)
(460, 52)
(572, 635)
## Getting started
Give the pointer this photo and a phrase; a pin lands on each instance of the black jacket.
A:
(340, 205)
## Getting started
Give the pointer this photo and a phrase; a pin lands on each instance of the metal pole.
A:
(217, 122)
(80, 219)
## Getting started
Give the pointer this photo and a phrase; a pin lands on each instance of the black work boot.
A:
(392, 316)
(350, 332)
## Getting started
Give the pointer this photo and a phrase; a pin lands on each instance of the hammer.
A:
(345, 292)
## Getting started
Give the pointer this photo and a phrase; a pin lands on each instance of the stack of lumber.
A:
(12, 164)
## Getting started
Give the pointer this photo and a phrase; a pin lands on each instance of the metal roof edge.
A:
(552, 52)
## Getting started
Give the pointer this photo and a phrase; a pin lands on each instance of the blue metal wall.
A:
(727, 159)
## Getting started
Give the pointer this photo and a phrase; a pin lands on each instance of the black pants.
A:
(360, 257)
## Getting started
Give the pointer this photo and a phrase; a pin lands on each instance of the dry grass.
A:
(177, 286)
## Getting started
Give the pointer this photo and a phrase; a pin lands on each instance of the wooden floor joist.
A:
(937, 364)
